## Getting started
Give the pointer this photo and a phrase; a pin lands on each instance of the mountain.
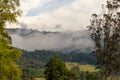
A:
(66, 41)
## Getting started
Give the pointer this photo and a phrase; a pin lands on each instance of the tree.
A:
(32, 78)
(76, 71)
(92, 76)
(9, 70)
(105, 32)
(83, 76)
(56, 70)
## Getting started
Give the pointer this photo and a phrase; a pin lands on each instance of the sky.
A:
(57, 15)
(69, 16)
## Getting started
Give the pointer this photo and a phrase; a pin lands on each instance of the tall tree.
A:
(56, 70)
(9, 70)
(105, 32)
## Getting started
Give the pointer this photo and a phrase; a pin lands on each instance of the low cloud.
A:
(31, 40)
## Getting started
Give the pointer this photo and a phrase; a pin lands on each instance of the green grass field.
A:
(40, 79)
(83, 67)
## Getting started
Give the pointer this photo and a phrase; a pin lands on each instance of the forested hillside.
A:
(37, 56)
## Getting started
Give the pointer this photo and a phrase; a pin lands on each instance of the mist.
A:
(30, 40)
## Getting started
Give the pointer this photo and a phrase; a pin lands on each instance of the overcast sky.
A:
(46, 14)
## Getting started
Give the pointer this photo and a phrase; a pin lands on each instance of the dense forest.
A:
(45, 55)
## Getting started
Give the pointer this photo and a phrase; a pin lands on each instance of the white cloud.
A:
(72, 16)
(68, 41)
(26, 5)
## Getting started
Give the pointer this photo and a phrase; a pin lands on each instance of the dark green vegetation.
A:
(33, 62)
(105, 32)
(28, 72)
(44, 56)
(56, 70)
(89, 76)
(9, 70)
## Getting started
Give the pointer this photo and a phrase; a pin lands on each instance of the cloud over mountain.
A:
(33, 39)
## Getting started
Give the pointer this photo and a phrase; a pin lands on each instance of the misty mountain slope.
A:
(29, 39)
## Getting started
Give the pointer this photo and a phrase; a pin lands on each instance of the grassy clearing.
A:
(40, 79)
(83, 67)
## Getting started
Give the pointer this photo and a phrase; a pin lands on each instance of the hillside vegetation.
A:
(33, 62)
(45, 55)
(82, 67)
(39, 73)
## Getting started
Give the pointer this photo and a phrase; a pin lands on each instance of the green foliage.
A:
(39, 56)
(8, 68)
(8, 57)
(92, 76)
(76, 71)
(89, 76)
(28, 72)
(9, 10)
(32, 78)
(83, 76)
(56, 70)
(8, 54)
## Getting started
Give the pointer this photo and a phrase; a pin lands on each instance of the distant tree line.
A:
(38, 57)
